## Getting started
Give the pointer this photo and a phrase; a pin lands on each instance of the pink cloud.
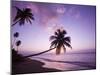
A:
(46, 14)
(48, 18)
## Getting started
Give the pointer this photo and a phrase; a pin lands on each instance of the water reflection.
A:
(69, 61)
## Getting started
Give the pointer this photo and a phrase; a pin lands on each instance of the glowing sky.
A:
(78, 20)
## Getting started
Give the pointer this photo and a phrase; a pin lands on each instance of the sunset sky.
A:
(78, 20)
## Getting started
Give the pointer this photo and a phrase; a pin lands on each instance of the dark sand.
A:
(30, 66)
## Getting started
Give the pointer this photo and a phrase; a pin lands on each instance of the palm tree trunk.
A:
(13, 43)
(17, 49)
(15, 23)
(39, 53)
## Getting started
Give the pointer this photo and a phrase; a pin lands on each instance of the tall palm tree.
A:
(23, 15)
(58, 41)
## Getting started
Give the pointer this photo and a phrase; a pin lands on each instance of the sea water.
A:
(68, 61)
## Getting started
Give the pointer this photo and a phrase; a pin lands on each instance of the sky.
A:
(78, 20)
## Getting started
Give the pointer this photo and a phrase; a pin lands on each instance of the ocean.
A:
(68, 61)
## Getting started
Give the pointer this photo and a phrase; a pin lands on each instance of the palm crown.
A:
(23, 15)
(59, 41)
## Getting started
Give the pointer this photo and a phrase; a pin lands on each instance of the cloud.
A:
(73, 12)
(48, 15)
(52, 28)
(34, 7)
(46, 12)
(61, 9)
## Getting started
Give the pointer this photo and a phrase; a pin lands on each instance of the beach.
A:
(30, 66)
(55, 63)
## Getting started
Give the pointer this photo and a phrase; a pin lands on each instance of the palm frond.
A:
(53, 37)
(19, 12)
(67, 44)
(64, 48)
(53, 43)
(68, 39)
(56, 33)
(59, 31)
(64, 32)
(22, 21)
(28, 20)
(31, 17)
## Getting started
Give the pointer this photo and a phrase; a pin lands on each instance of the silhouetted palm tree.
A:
(58, 41)
(16, 35)
(23, 15)
(18, 43)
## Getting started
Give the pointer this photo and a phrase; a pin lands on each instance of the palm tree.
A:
(16, 35)
(58, 41)
(23, 15)
(18, 43)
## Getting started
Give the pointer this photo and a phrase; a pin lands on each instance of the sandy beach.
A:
(30, 66)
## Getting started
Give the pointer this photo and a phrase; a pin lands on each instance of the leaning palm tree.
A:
(22, 16)
(59, 41)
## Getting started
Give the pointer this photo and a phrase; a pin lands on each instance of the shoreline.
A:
(30, 66)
